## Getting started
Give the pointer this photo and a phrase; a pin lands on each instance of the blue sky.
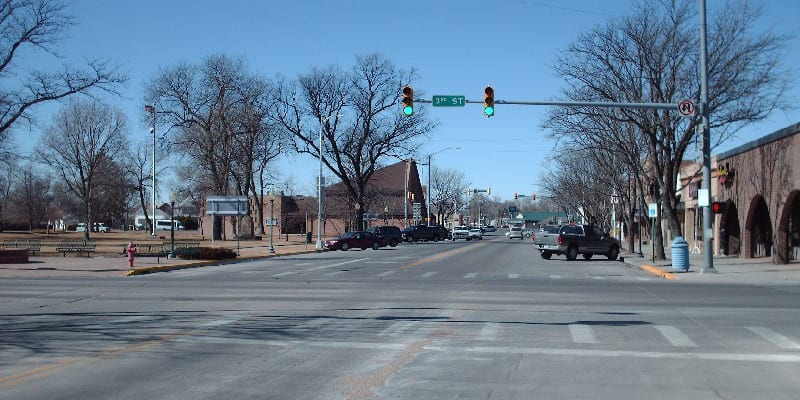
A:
(456, 46)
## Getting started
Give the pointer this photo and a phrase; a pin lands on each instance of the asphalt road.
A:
(466, 320)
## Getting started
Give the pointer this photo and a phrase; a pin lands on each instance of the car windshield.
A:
(550, 229)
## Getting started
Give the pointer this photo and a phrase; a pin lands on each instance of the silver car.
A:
(515, 232)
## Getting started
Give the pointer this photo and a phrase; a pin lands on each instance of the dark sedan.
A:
(356, 240)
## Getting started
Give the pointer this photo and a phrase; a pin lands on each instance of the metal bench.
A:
(32, 245)
(76, 247)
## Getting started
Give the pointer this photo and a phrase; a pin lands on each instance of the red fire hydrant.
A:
(131, 254)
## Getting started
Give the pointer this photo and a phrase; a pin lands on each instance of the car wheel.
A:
(345, 246)
(572, 253)
(393, 243)
(613, 253)
(375, 246)
(546, 255)
(587, 256)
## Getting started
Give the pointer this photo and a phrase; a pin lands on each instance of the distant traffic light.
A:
(411, 196)
(408, 100)
(718, 207)
(488, 101)
(516, 196)
(534, 196)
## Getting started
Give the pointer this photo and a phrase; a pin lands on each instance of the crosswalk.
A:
(398, 273)
(748, 341)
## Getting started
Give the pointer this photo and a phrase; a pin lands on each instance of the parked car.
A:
(575, 239)
(515, 232)
(489, 228)
(392, 234)
(416, 233)
(101, 227)
(81, 227)
(527, 232)
(356, 239)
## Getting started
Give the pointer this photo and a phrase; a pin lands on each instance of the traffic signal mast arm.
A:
(661, 106)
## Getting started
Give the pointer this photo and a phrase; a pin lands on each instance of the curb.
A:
(166, 268)
(658, 271)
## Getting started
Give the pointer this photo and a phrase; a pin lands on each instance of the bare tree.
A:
(359, 119)
(448, 191)
(215, 112)
(31, 195)
(652, 56)
(84, 139)
(39, 25)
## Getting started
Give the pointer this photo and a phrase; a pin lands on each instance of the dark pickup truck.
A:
(416, 233)
(572, 240)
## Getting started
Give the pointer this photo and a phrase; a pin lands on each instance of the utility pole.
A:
(708, 258)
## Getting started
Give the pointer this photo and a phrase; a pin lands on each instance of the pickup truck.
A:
(460, 232)
(416, 233)
(572, 240)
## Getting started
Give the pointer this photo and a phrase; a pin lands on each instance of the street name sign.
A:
(449, 101)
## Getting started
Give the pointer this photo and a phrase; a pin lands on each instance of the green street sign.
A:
(449, 101)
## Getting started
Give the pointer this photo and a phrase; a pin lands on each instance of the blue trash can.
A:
(680, 254)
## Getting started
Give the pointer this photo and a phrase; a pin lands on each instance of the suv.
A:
(392, 234)
(515, 232)
(416, 233)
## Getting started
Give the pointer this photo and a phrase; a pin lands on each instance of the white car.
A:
(475, 233)
(515, 232)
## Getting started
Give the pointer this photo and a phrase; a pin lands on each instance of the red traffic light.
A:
(718, 207)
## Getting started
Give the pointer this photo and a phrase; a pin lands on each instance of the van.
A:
(165, 225)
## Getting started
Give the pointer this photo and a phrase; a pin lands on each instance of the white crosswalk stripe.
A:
(429, 274)
(555, 276)
(774, 338)
(582, 333)
(470, 275)
(387, 273)
(675, 336)
(490, 331)
(513, 276)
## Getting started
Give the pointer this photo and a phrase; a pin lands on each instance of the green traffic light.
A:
(489, 111)
(408, 110)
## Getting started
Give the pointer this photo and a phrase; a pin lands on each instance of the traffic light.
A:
(411, 196)
(408, 100)
(488, 101)
(469, 192)
(534, 196)
(718, 207)
(516, 196)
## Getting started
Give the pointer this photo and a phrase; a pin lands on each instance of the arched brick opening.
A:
(758, 230)
(787, 243)
(730, 231)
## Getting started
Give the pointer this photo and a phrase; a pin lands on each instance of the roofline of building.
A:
(774, 136)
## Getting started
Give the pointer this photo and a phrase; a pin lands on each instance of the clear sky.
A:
(457, 47)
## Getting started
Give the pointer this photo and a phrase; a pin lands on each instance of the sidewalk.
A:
(726, 270)
(105, 265)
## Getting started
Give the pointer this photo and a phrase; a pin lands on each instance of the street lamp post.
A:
(152, 110)
(171, 226)
(428, 197)
(271, 220)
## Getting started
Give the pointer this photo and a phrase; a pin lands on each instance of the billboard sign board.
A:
(227, 205)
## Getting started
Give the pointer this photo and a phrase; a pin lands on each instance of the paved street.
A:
(484, 319)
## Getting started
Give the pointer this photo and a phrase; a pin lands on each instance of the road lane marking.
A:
(470, 275)
(442, 255)
(555, 276)
(675, 336)
(284, 274)
(513, 276)
(398, 328)
(582, 333)
(387, 273)
(490, 331)
(774, 337)
(334, 273)
(429, 274)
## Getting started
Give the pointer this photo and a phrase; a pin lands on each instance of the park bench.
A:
(32, 245)
(72, 246)
(147, 250)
